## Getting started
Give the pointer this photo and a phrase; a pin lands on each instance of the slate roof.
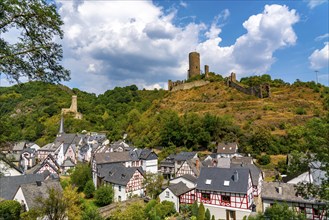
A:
(223, 162)
(146, 154)
(227, 148)
(219, 175)
(179, 188)
(68, 139)
(244, 160)
(50, 147)
(254, 171)
(115, 157)
(193, 165)
(117, 173)
(19, 146)
(184, 156)
(32, 191)
(10, 184)
(188, 177)
(68, 163)
(318, 175)
(270, 191)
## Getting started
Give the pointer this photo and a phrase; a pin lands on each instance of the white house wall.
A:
(304, 177)
(220, 212)
(19, 197)
(170, 198)
(150, 166)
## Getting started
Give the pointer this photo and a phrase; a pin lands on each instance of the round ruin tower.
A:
(194, 64)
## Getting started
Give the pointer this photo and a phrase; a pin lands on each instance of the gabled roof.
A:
(117, 173)
(227, 148)
(179, 188)
(10, 184)
(31, 191)
(50, 147)
(19, 146)
(188, 177)
(223, 162)
(184, 156)
(271, 191)
(194, 164)
(115, 157)
(68, 163)
(68, 139)
(54, 165)
(217, 176)
(146, 154)
(254, 171)
(244, 160)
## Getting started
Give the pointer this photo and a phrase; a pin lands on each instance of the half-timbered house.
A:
(126, 181)
(191, 167)
(226, 192)
(49, 164)
(275, 192)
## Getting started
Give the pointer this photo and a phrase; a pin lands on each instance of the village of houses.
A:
(228, 183)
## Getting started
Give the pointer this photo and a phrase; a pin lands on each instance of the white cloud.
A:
(111, 43)
(322, 37)
(320, 58)
(252, 52)
(313, 3)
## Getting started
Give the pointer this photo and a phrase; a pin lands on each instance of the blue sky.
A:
(119, 43)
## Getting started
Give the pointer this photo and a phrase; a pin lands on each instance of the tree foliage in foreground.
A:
(34, 54)
(278, 212)
(81, 175)
(104, 195)
(10, 209)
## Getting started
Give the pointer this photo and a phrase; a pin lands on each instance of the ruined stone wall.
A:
(73, 108)
(263, 91)
(184, 86)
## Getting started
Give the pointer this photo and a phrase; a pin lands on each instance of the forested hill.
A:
(192, 118)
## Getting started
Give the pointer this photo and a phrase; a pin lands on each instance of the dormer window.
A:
(208, 181)
(226, 183)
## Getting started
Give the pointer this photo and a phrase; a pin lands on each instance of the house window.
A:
(226, 199)
(119, 198)
(141, 163)
(205, 196)
(119, 188)
(302, 210)
(167, 194)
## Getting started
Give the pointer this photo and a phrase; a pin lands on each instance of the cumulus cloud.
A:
(320, 58)
(253, 52)
(111, 43)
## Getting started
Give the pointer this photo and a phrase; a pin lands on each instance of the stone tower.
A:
(194, 64)
(73, 108)
(206, 71)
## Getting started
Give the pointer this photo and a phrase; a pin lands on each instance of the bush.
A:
(10, 209)
(264, 159)
(207, 215)
(300, 111)
(89, 189)
(80, 176)
(201, 212)
(91, 213)
(104, 195)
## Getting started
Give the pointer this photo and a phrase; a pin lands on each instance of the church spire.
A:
(61, 127)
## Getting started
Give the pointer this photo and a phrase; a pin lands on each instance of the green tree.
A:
(53, 206)
(10, 209)
(195, 209)
(278, 212)
(134, 211)
(81, 175)
(201, 212)
(73, 203)
(89, 189)
(153, 184)
(212, 217)
(207, 215)
(104, 195)
(34, 54)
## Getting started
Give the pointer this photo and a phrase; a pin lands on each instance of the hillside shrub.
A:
(104, 195)
(264, 159)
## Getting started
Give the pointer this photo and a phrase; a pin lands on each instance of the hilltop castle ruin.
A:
(73, 108)
(262, 91)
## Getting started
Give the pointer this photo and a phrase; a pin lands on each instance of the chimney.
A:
(197, 164)
(235, 176)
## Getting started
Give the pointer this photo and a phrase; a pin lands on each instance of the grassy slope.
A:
(217, 98)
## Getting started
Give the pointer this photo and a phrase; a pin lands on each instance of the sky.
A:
(146, 43)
